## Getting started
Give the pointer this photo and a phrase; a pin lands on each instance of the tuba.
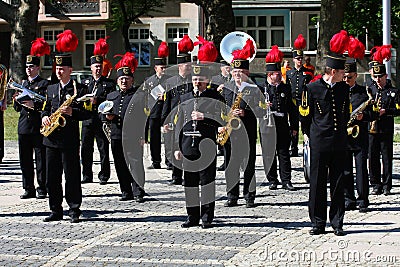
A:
(3, 81)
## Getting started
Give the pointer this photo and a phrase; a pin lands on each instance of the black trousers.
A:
(30, 144)
(169, 139)
(294, 143)
(57, 161)
(320, 164)
(234, 159)
(155, 139)
(89, 133)
(1, 135)
(127, 184)
(381, 144)
(360, 157)
(200, 206)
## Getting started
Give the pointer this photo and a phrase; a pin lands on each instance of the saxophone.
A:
(354, 130)
(233, 122)
(377, 105)
(56, 119)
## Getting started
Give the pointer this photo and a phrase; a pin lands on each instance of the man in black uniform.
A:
(175, 87)
(62, 145)
(386, 99)
(29, 138)
(283, 110)
(297, 78)
(155, 101)
(325, 126)
(129, 186)
(99, 86)
(234, 150)
(197, 121)
(357, 143)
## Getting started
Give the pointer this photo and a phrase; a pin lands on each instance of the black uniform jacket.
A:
(104, 87)
(219, 79)
(29, 119)
(297, 80)
(389, 100)
(208, 127)
(326, 123)
(67, 136)
(156, 106)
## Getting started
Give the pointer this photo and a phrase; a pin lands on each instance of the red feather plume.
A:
(40, 47)
(127, 60)
(382, 53)
(163, 50)
(207, 52)
(339, 42)
(185, 45)
(101, 47)
(356, 48)
(300, 43)
(66, 41)
(275, 55)
(107, 66)
(316, 78)
(246, 52)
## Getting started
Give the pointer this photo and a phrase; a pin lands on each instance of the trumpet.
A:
(354, 130)
(25, 92)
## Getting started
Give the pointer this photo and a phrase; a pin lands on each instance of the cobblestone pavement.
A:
(114, 233)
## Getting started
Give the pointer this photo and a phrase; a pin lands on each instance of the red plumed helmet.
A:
(246, 52)
(339, 42)
(107, 67)
(127, 60)
(356, 48)
(207, 52)
(66, 41)
(185, 45)
(40, 47)
(163, 50)
(316, 78)
(101, 47)
(300, 43)
(275, 55)
(382, 53)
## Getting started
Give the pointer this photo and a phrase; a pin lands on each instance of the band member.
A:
(98, 86)
(175, 87)
(240, 88)
(30, 141)
(283, 110)
(386, 106)
(357, 142)
(62, 144)
(310, 67)
(129, 186)
(155, 87)
(297, 78)
(326, 127)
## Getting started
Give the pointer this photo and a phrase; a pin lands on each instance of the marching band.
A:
(339, 119)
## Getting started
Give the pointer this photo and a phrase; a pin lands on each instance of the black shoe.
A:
(294, 153)
(138, 199)
(28, 194)
(363, 209)
(206, 225)
(75, 218)
(338, 232)
(317, 231)
(126, 197)
(288, 186)
(87, 179)
(175, 181)
(231, 203)
(220, 152)
(221, 168)
(350, 206)
(41, 196)
(273, 186)
(154, 166)
(188, 224)
(53, 217)
(386, 192)
(376, 191)
(250, 203)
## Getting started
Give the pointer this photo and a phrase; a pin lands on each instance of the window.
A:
(140, 45)
(174, 35)
(312, 31)
(91, 37)
(267, 30)
(51, 37)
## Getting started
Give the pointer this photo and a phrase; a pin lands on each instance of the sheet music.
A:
(157, 90)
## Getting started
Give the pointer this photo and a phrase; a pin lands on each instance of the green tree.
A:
(22, 18)
(219, 18)
(126, 12)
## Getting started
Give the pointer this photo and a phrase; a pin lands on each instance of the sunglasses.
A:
(348, 77)
(379, 75)
(30, 66)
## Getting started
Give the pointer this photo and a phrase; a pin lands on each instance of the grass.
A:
(10, 123)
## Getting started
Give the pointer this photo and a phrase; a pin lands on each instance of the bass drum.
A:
(306, 160)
